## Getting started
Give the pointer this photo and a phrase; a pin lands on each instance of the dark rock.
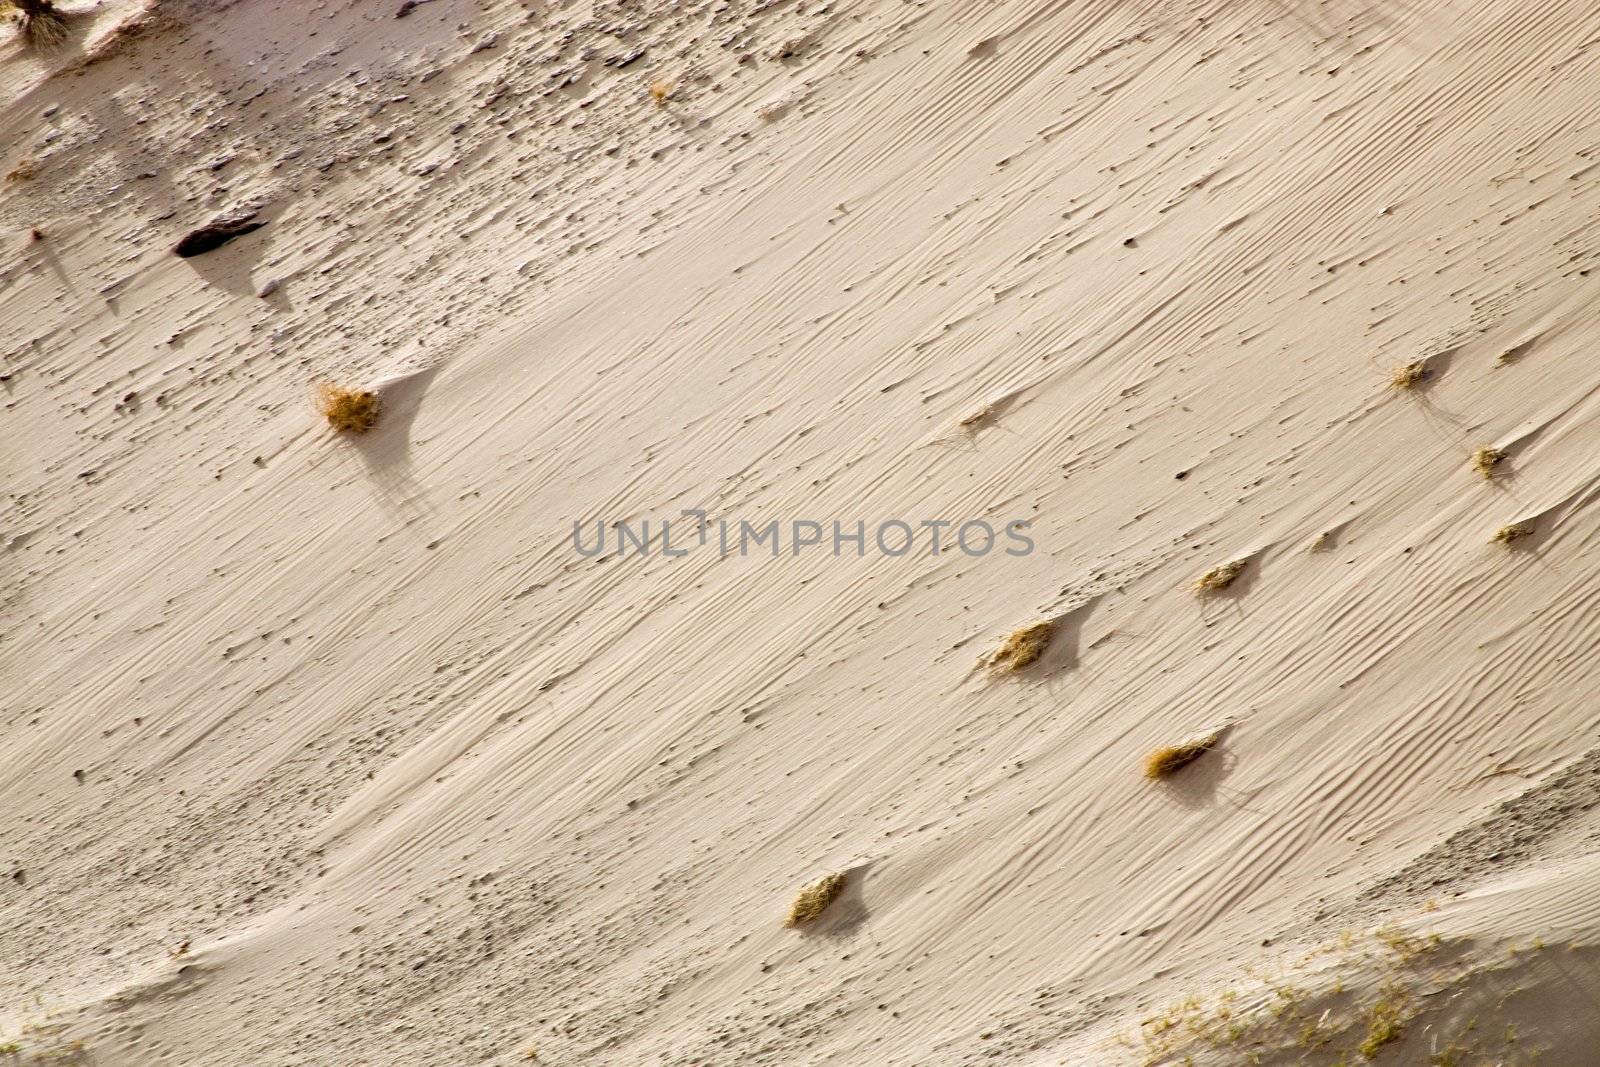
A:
(617, 62)
(218, 232)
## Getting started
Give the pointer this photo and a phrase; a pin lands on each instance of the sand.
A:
(329, 750)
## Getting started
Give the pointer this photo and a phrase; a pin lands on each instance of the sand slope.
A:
(330, 751)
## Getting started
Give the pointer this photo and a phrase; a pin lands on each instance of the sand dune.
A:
(329, 749)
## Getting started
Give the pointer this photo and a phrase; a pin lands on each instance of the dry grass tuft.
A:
(982, 417)
(41, 1041)
(1220, 577)
(1513, 354)
(1409, 376)
(1486, 459)
(1023, 647)
(25, 171)
(814, 900)
(1510, 534)
(1386, 1021)
(661, 91)
(40, 22)
(1357, 1009)
(1165, 762)
(347, 410)
(1407, 948)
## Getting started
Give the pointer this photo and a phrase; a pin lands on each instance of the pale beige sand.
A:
(320, 751)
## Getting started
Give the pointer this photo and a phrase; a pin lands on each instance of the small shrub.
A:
(1486, 460)
(814, 900)
(1167, 761)
(348, 410)
(661, 91)
(1023, 647)
(40, 22)
(24, 171)
(1219, 578)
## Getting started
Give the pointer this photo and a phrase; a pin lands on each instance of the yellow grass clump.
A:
(1023, 647)
(1512, 533)
(661, 91)
(1410, 375)
(1220, 577)
(24, 171)
(1486, 459)
(1165, 762)
(347, 410)
(814, 900)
